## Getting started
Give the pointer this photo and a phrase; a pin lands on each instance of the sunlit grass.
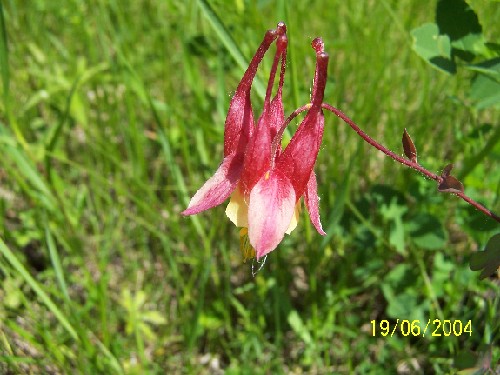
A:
(114, 117)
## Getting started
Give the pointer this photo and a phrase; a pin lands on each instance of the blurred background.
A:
(112, 116)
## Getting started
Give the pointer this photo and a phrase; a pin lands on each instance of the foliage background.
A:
(112, 116)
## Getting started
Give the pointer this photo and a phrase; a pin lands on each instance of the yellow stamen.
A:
(246, 249)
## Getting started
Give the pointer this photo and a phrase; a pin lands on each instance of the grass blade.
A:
(51, 306)
(44, 297)
(5, 74)
(56, 261)
(229, 42)
(4, 58)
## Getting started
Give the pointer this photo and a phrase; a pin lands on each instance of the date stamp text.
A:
(433, 328)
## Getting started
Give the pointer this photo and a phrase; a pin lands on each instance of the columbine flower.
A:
(239, 128)
(266, 183)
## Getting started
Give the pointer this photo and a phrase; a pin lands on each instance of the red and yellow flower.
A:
(265, 183)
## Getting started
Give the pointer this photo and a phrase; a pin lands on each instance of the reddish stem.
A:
(378, 146)
(386, 151)
(279, 135)
(404, 161)
(481, 208)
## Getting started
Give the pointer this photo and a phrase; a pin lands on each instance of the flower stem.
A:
(279, 135)
(402, 160)
(280, 55)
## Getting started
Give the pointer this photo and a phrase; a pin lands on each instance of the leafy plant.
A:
(456, 41)
(110, 114)
(266, 183)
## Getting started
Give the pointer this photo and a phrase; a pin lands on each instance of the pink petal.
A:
(272, 204)
(218, 187)
(312, 203)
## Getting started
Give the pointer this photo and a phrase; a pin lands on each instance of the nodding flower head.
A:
(266, 183)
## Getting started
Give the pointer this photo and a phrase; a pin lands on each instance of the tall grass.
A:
(112, 116)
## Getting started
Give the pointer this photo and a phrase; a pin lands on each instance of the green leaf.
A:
(210, 321)
(398, 287)
(433, 48)
(153, 317)
(489, 68)
(485, 88)
(477, 221)
(401, 277)
(427, 232)
(485, 92)
(395, 212)
(298, 326)
(492, 48)
(488, 260)
(441, 274)
(457, 20)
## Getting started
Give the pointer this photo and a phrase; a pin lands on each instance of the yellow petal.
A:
(237, 209)
(295, 218)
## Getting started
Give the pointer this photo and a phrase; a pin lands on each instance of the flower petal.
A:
(258, 153)
(239, 121)
(239, 124)
(312, 203)
(218, 187)
(272, 205)
(277, 115)
(297, 160)
(295, 218)
(237, 209)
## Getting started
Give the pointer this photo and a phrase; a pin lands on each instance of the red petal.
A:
(218, 187)
(272, 204)
(257, 154)
(276, 111)
(277, 115)
(312, 203)
(239, 123)
(258, 151)
(297, 160)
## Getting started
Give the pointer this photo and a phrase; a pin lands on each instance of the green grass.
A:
(112, 117)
